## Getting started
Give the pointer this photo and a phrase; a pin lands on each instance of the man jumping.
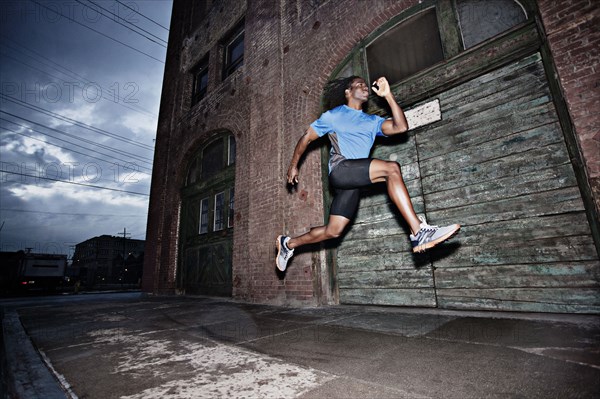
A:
(352, 133)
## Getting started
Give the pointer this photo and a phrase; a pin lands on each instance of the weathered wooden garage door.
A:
(206, 238)
(497, 163)
(208, 269)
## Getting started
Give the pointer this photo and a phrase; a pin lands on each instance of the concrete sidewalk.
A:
(130, 346)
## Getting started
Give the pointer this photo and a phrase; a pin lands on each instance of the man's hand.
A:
(309, 136)
(397, 123)
(384, 87)
(292, 175)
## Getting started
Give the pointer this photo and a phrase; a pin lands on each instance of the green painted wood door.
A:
(206, 237)
(497, 163)
(375, 264)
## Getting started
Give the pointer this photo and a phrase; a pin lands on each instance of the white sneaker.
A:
(283, 252)
(430, 236)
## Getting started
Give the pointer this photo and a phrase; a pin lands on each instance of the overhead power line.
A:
(69, 72)
(142, 15)
(73, 136)
(97, 31)
(71, 214)
(73, 182)
(75, 122)
(125, 162)
(56, 145)
(121, 101)
(127, 27)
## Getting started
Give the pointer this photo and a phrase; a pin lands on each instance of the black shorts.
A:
(346, 178)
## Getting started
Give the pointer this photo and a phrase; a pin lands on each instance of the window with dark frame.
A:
(481, 20)
(234, 50)
(203, 229)
(212, 159)
(407, 48)
(231, 214)
(219, 222)
(200, 81)
(211, 165)
(437, 33)
(193, 173)
(231, 151)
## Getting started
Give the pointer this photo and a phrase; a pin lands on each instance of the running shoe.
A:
(430, 236)
(283, 252)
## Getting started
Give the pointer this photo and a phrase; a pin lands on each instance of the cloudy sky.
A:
(80, 90)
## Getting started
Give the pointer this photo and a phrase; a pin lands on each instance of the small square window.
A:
(200, 81)
(203, 216)
(234, 51)
(219, 212)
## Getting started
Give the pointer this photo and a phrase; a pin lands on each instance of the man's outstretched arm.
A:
(308, 137)
(398, 122)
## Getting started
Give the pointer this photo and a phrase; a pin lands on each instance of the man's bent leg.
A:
(389, 172)
(286, 245)
(333, 229)
(423, 235)
(343, 207)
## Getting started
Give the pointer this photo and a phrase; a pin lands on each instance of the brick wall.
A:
(291, 49)
(573, 33)
(184, 128)
(316, 37)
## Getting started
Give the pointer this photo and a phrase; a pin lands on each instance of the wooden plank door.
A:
(206, 233)
(375, 263)
(497, 163)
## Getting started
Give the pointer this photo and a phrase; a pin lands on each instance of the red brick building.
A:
(504, 139)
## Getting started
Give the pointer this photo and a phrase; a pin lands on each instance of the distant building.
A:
(100, 260)
(503, 100)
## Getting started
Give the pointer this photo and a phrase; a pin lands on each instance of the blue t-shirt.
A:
(351, 132)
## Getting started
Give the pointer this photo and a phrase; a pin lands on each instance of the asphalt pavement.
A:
(128, 345)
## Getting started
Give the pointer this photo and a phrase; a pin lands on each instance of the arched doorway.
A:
(207, 218)
(488, 148)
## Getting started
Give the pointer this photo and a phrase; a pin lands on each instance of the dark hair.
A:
(335, 91)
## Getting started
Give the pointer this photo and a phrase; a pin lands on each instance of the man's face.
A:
(358, 90)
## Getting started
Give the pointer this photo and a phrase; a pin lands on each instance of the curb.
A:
(26, 373)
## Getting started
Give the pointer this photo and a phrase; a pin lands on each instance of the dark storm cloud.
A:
(79, 113)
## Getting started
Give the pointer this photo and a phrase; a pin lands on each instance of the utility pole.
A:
(125, 234)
